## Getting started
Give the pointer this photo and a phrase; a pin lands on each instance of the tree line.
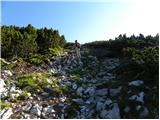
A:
(21, 41)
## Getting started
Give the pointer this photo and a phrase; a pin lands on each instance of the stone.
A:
(99, 106)
(126, 109)
(108, 102)
(90, 91)
(78, 101)
(138, 97)
(138, 107)
(90, 100)
(144, 113)
(2, 86)
(103, 114)
(114, 113)
(6, 113)
(7, 73)
(136, 83)
(36, 110)
(62, 116)
(63, 98)
(74, 86)
(101, 92)
(115, 92)
(79, 91)
(27, 107)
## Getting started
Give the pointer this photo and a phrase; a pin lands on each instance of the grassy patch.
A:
(23, 95)
(4, 105)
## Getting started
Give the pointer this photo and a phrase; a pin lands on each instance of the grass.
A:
(14, 100)
(4, 105)
(23, 95)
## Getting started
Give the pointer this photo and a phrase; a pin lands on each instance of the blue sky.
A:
(85, 21)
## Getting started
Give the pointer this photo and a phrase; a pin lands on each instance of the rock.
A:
(91, 100)
(44, 94)
(68, 83)
(138, 97)
(27, 107)
(74, 86)
(108, 102)
(2, 86)
(79, 91)
(114, 113)
(78, 101)
(26, 116)
(90, 90)
(6, 113)
(101, 74)
(63, 98)
(7, 72)
(136, 83)
(12, 87)
(101, 92)
(126, 109)
(103, 114)
(144, 113)
(49, 81)
(99, 106)
(115, 92)
(62, 116)
(48, 89)
(36, 110)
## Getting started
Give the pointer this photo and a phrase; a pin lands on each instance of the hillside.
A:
(114, 79)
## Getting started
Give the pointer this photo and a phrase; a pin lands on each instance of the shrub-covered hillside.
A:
(41, 77)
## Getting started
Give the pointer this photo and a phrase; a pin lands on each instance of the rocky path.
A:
(91, 91)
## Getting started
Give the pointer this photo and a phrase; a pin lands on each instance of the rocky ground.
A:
(68, 88)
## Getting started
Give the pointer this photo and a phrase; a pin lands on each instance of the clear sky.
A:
(84, 20)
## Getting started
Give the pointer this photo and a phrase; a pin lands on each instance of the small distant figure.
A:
(77, 47)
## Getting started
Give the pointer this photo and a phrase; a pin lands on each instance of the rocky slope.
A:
(68, 88)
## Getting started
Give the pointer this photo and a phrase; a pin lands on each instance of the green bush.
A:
(27, 81)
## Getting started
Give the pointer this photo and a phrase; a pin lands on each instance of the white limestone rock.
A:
(135, 83)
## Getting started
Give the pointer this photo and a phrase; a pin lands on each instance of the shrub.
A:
(27, 81)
